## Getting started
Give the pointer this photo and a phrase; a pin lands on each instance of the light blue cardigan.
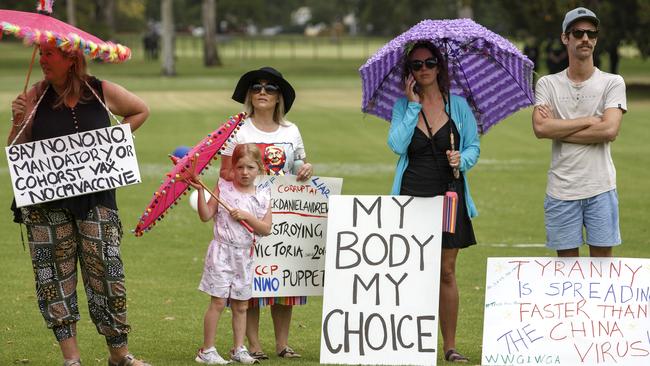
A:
(402, 127)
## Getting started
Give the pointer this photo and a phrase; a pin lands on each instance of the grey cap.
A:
(577, 14)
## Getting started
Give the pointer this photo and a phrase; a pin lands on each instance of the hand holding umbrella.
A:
(188, 175)
(454, 157)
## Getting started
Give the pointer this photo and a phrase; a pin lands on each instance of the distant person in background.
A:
(267, 96)
(557, 58)
(151, 41)
(612, 50)
(531, 50)
(580, 109)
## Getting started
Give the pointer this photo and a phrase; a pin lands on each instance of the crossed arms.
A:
(584, 130)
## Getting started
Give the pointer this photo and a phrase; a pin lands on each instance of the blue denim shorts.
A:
(565, 220)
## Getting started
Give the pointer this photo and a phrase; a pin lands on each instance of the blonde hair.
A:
(251, 151)
(278, 113)
(75, 84)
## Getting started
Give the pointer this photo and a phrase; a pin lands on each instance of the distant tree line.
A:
(623, 21)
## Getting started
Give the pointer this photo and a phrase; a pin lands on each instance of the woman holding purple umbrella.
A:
(425, 126)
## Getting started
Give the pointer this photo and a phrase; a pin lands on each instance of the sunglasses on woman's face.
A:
(579, 33)
(430, 63)
(269, 88)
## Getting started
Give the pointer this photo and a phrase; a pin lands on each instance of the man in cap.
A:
(580, 109)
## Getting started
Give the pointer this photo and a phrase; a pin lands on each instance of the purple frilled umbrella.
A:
(485, 68)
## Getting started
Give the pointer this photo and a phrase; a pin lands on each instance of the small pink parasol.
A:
(195, 161)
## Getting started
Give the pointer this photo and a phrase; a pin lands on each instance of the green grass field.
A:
(164, 266)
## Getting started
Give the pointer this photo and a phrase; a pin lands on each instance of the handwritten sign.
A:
(567, 311)
(380, 304)
(72, 165)
(291, 261)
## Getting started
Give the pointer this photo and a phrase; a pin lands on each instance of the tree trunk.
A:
(209, 15)
(167, 17)
(109, 16)
(70, 10)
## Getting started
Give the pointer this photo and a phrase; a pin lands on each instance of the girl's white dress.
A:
(228, 268)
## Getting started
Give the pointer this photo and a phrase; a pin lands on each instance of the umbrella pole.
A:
(224, 204)
(29, 72)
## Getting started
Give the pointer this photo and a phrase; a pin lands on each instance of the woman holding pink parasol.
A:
(87, 227)
(422, 132)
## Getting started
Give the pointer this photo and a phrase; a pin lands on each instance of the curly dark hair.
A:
(443, 73)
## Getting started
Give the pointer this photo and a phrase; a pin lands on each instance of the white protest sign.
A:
(72, 165)
(380, 304)
(567, 311)
(291, 261)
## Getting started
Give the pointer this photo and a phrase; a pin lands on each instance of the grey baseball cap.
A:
(577, 14)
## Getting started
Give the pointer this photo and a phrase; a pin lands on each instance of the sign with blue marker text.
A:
(291, 261)
(380, 304)
(72, 165)
(567, 311)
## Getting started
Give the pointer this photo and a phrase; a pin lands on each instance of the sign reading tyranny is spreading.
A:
(291, 261)
(72, 165)
(380, 303)
(567, 311)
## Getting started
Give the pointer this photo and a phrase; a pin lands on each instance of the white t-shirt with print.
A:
(279, 148)
(581, 171)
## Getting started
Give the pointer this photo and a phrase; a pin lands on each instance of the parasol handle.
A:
(455, 170)
(224, 204)
(29, 72)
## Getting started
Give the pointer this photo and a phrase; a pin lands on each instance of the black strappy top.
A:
(85, 116)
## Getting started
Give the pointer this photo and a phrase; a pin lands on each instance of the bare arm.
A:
(545, 125)
(260, 226)
(225, 172)
(21, 108)
(124, 103)
(206, 210)
(605, 131)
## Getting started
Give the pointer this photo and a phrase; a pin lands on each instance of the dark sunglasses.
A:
(579, 33)
(430, 63)
(269, 88)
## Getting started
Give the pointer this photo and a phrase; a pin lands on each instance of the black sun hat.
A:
(265, 73)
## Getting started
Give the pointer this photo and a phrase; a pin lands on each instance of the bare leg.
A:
(569, 252)
(70, 349)
(211, 320)
(238, 321)
(595, 251)
(281, 315)
(253, 329)
(448, 298)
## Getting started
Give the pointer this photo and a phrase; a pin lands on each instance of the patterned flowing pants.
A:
(56, 242)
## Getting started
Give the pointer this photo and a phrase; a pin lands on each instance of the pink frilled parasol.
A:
(40, 28)
(196, 160)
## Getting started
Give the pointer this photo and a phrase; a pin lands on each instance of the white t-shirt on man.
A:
(580, 171)
(280, 148)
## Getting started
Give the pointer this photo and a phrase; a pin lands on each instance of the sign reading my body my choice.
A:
(380, 303)
(291, 261)
(72, 165)
(567, 311)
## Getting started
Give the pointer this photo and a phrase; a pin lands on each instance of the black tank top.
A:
(428, 172)
(85, 116)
